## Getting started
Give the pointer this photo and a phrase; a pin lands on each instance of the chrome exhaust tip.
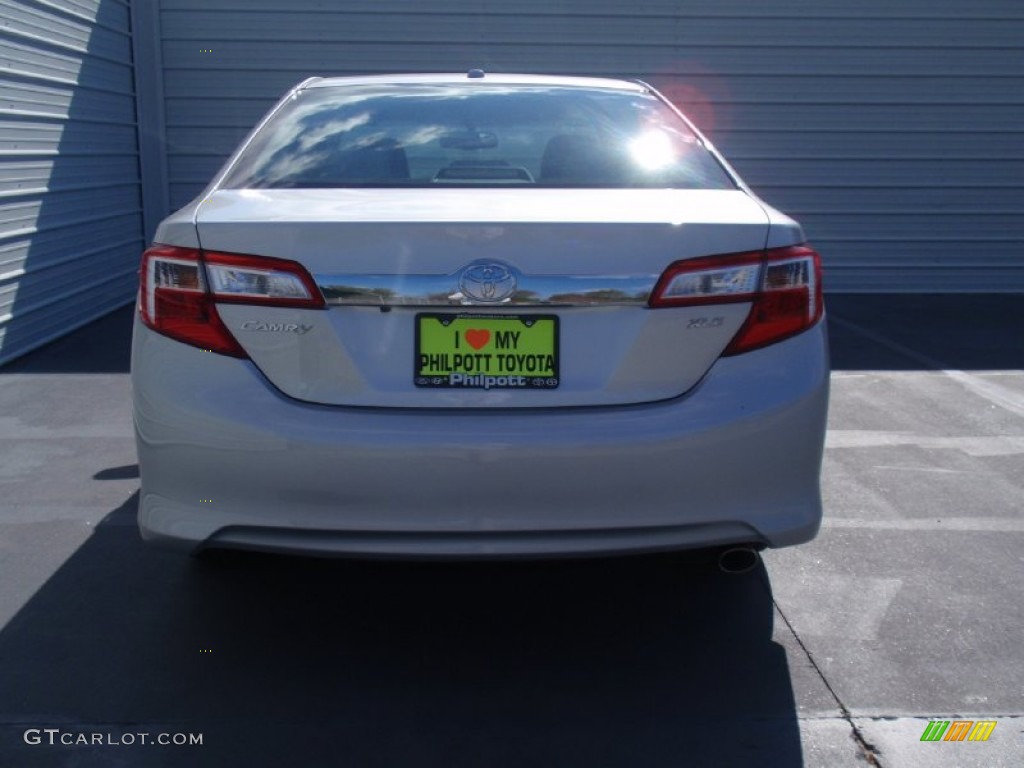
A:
(738, 559)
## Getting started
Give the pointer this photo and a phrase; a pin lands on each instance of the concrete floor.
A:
(907, 608)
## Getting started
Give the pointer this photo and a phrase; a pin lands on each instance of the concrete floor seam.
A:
(868, 750)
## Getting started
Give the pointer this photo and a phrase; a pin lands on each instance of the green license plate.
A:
(486, 351)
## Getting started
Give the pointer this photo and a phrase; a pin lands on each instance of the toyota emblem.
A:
(487, 282)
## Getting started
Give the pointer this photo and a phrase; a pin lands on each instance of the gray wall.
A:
(891, 128)
(70, 211)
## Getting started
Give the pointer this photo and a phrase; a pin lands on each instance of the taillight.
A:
(179, 288)
(783, 286)
(260, 280)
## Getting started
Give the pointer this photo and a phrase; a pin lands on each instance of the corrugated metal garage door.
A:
(890, 128)
(70, 218)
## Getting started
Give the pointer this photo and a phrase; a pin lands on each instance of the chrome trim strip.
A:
(443, 290)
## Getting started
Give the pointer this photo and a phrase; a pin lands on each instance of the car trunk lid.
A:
(394, 264)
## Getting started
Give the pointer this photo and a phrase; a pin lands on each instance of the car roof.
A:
(476, 79)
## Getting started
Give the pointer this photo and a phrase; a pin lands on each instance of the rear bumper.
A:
(227, 461)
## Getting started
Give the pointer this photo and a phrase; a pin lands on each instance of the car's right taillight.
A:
(179, 289)
(782, 285)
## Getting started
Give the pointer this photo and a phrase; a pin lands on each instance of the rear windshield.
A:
(475, 135)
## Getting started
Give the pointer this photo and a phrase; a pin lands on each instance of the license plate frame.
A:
(492, 350)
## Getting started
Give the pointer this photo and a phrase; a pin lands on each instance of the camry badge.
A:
(265, 327)
(488, 282)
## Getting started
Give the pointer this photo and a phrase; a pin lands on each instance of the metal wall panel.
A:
(891, 128)
(70, 210)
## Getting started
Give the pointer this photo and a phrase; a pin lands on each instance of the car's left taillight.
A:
(179, 289)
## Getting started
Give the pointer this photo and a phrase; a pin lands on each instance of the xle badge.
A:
(705, 322)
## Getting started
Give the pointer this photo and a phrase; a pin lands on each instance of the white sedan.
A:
(479, 316)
